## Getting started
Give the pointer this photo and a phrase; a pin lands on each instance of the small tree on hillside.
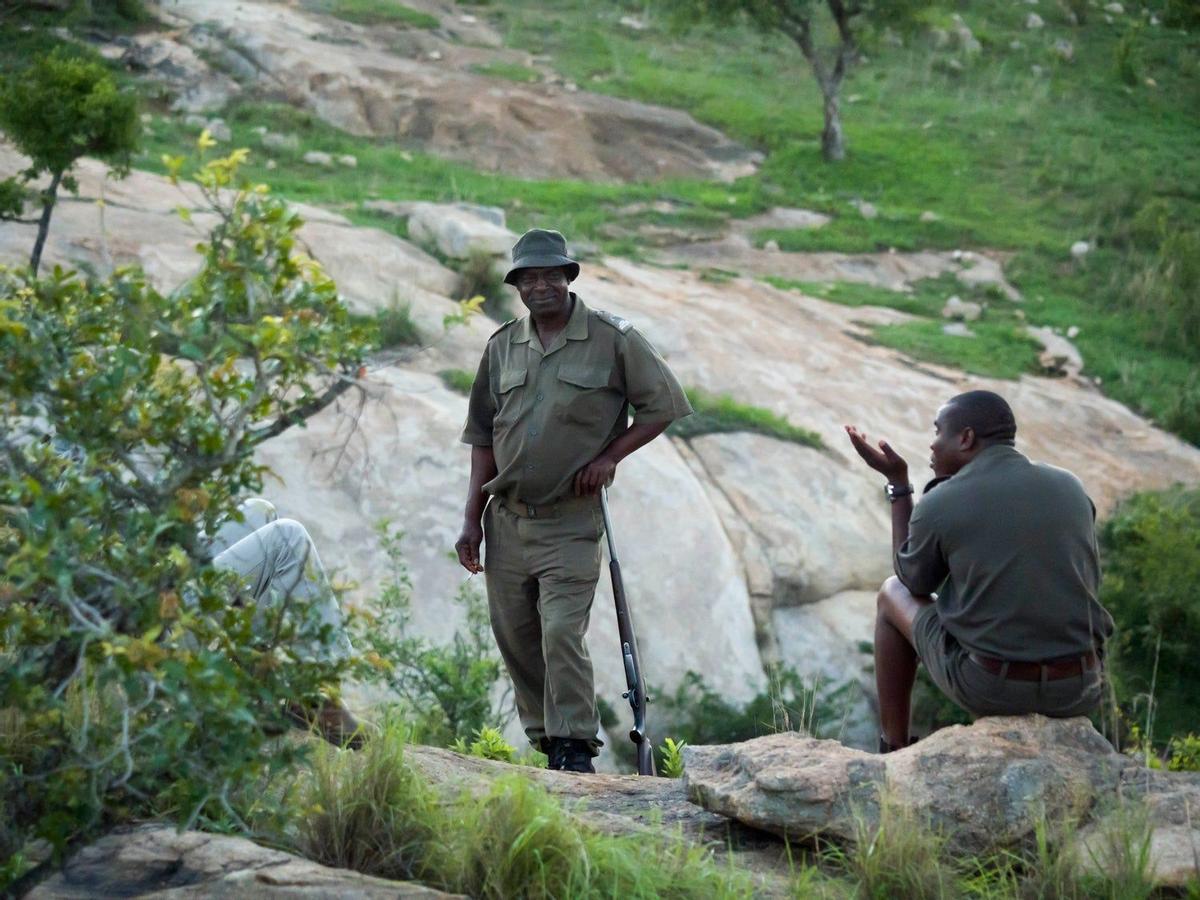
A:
(797, 20)
(59, 109)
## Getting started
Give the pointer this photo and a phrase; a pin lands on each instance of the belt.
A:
(553, 510)
(1047, 670)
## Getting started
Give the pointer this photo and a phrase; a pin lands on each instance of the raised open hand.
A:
(883, 459)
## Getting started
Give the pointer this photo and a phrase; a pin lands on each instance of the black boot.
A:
(575, 755)
(885, 747)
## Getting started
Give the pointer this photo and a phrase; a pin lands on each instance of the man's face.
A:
(949, 451)
(544, 291)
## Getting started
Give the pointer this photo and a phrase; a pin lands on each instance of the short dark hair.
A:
(987, 413)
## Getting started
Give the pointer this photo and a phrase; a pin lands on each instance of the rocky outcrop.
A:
(159, 862)
(359, 80)
(986, 787)
(721, 535)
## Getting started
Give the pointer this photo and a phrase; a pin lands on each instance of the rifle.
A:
(636, 695)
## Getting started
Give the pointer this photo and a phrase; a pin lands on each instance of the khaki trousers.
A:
(541, 575)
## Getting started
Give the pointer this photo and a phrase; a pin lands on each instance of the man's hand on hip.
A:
(883, 459)
(595, 475)
(467, 546)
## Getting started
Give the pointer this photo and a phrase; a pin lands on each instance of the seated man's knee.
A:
(886, 597)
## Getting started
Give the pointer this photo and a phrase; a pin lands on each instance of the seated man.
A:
(996, 576)
(279, 565)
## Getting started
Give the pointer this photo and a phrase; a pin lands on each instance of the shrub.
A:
(481, 278)
(449, 690)
(1151, 553)
(395, 327)
(703, 716)
(128, 682)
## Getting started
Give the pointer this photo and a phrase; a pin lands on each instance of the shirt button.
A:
(539, 396)
(532, 433)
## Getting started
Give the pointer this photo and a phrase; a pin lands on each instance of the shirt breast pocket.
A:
(585, 397)
(509, 393)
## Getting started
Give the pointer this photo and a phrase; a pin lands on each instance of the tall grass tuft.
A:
(900, 855)
(370, 811)
(517, 841)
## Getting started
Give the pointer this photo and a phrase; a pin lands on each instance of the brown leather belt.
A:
(554, 510)
(1048, 670)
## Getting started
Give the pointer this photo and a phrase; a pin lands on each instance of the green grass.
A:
(581, 210)
(508, 71)
(1007, 159)
(395, 327)
(998, 350)
(373, 812)
(458, 380)
(716, 414)
(374, 12)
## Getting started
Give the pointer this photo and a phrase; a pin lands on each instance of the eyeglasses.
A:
(552, 277)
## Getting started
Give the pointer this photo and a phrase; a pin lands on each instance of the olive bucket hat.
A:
(540, 248)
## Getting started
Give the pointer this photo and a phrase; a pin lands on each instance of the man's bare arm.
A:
(600, 471)
(892, 466)
(483, 470)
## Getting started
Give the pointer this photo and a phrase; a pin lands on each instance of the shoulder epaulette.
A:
(622, 325)
(507, 324)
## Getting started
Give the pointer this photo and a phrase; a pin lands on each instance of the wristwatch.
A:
(895, 491)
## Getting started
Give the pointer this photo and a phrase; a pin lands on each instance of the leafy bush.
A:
(482, 278)
(703, 716)
(395, 327)
(489, 743)
(128, 680)
(717, 414)
(450, 690)
(1126, 56)
(1151, 554)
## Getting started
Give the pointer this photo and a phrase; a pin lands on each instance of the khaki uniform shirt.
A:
(1010, 548)
(548, 412)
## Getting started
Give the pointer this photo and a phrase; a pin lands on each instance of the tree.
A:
(797, 20)
(129, 684)
(60, 108)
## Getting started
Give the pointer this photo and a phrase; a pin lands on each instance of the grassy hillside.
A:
(1016, 149)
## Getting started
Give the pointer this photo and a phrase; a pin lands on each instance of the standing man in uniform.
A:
(548, 423)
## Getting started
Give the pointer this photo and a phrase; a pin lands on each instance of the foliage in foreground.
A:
(129, 419)
(373, 812)
(1151, 555)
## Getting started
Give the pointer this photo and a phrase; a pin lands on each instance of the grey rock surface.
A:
(159, 863)
(986, 786)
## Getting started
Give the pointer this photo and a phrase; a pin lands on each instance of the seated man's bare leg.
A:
(895, 657)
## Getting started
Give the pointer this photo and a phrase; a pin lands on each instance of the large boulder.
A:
(399, 458)
(159, 862)
(460, 230)
(351, 77)
(986, 787)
